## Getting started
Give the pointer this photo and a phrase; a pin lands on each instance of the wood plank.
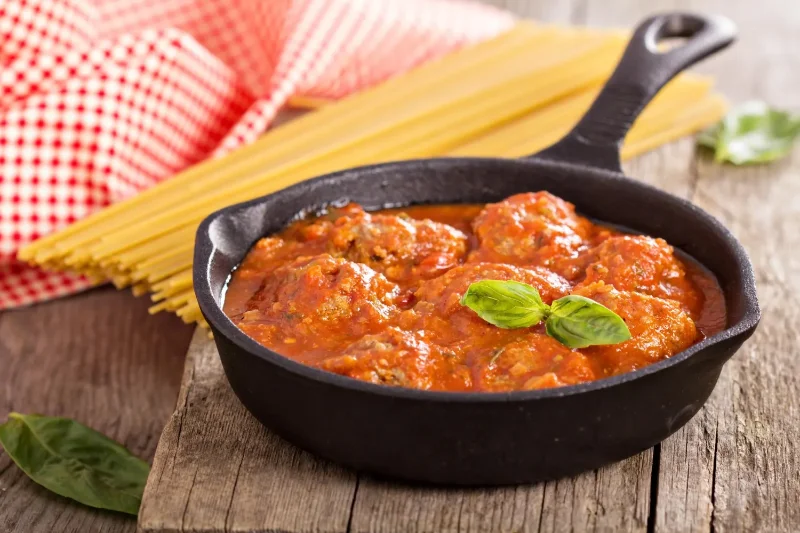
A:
(383, 506)
(99, 358)
(756, 483)
(685, 475)
(218, 469)
(613, 498)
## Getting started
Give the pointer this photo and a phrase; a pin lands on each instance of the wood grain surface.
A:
(734, 467)
(99, 358)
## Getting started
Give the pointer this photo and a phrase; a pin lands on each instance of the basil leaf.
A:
(578, 322)
(75, 461)
(752, 133)
(505, 304)
(574, 321)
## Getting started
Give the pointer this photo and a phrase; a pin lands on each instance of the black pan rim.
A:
(221, 324)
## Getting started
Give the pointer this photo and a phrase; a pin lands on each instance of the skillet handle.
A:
(640, 74)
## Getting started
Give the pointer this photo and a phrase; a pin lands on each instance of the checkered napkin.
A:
(100, 100)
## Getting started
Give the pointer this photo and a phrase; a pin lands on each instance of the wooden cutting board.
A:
(734, 467)
(217, 469)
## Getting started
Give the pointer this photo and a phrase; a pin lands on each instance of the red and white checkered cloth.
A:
(101, 99)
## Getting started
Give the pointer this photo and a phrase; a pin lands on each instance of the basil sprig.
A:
(574, 321)
(75, 461)
(751, 133)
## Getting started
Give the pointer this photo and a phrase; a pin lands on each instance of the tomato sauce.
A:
(376, 296)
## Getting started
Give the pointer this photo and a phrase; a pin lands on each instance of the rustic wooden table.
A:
(96, 357)
(100, 358)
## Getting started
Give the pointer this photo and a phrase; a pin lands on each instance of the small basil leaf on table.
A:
(752, 133)
(75, 461)
(505, 304)
(578, 322)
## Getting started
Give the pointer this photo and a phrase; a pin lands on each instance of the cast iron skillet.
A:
(496, 438)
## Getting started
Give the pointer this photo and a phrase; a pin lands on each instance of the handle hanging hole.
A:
(672, 32)
(667, 44)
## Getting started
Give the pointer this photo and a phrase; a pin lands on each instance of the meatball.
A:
(321, 299)
(399, 358)
(642, 264)
(401, 248)
(534, 361)
(659, 329)
(317, 230)
(438, 301)
(531, 229)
